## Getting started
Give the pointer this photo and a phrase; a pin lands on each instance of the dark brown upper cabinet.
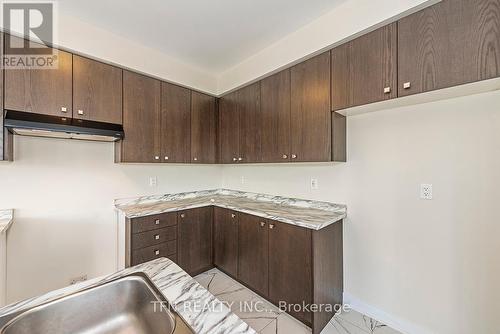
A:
(141, 119)
(226, 240)
(253, 253)
(248, 108)
(203, 128)
(5, 136)
(229, 129)
(448, 44)
(310, 110)
(175, 123)
(195, 239)
(97, 91)
(364, 70)
(41, 91)
(275, 117)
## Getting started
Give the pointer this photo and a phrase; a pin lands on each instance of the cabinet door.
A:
(226, 240)
(41, 91)
(5, 136)
(310, 110)
(195, 240)
(365, 69)
(175, 123)
(290, 266)
(450, 43)
(253, 254)
(203, 128)
(275, 116)
(97, 91)
(229, 129)
(141, 119)
(248, 107)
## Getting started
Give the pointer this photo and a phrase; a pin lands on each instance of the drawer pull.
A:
(183, 215)
(157, 222)
(387, 90)
(407, 85)
(157, 252)
(233, 215)
(157, 237)
(262, 224)
(271, 226)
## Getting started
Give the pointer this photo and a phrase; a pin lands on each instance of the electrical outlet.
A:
(78, 279)
(314, 183)
(243, 180)
(426, 191)
(153, 181)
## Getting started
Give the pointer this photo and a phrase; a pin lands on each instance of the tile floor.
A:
(266, 318)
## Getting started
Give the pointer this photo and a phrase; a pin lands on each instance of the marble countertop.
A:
(180, 289)
(305, 213)
(6, 217)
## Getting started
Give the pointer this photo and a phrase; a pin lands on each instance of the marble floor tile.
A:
(266, 318)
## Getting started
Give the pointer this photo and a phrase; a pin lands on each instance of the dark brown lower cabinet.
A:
(195, 239)
(253, 254)
(290, 267)
(226, 241)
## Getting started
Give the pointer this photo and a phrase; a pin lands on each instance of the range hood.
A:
(31, 124)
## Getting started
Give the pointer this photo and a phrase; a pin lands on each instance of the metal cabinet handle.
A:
(235, 159)
(233, 215)
(407, 85)
(157, 157)
(294, 156)
(157, 252)
(195, 159)
(262, 224)
(183, 215)
(80, 112)
(166, 158)
(157, 237)
(271, 226)
(240, 159)
(285, 156)
(387, 90)
(157, 222)
(64, 109)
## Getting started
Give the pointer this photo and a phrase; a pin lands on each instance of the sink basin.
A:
(130, 304)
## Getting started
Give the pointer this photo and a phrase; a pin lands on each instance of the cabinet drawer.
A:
(153, 252)
(154, 237)
(153, 222)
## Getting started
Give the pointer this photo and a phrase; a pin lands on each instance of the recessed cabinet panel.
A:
(229, 128)
(195, 240)
(141, 119)
(310, 110)
(97, 91)
(203, 128)
(275, 117)
(248, 107)
(175, 123)
(41, 91)
(253, 252)
(365, 70)
(448, 44)
(226, 240)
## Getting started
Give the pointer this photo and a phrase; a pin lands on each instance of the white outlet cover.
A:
(314, 183)
(153, 181)
(426, 191)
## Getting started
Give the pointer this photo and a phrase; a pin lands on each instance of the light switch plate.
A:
(153, 181)
(426, 191)
(314, 183)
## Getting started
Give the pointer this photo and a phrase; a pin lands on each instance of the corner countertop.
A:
(6, 217)
(310, 214)
(180, 289)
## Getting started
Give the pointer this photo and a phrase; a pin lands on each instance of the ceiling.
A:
(211, 35)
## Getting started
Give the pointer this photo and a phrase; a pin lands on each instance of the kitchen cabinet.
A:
(275, 117)
(229, 128)
(290, 266)
(450, 43)
(175, 123)
(253, 253)
(203, 128)
(310, 110)
(141, 119)
(6, 148)
(248, 109)
(364, 70)
(40, 91)
(226, 240)
(195, 240)
(97, 91)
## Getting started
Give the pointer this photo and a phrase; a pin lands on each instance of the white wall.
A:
(63, 192)
(431, 266)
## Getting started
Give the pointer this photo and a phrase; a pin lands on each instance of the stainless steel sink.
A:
(130, 304)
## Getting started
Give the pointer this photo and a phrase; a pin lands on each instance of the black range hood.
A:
(31, 124)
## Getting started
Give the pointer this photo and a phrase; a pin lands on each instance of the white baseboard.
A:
(390, 320)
